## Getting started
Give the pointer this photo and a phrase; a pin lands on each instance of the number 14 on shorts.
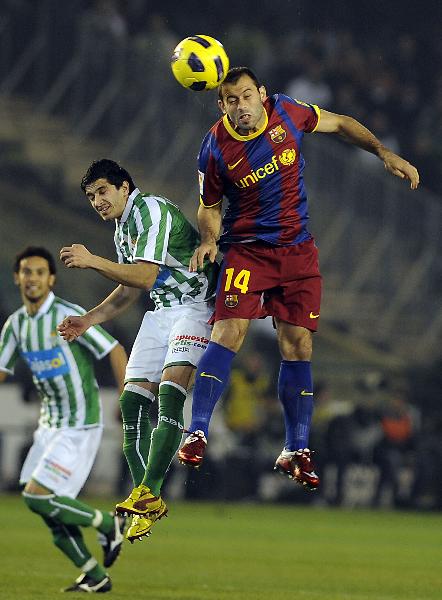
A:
(240, 281)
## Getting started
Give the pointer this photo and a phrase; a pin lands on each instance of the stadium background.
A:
(81, 80)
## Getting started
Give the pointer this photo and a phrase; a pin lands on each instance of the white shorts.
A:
(169, 336)
(61, 459)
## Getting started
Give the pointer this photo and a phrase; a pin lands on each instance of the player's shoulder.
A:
(156, 207)
(215, 133)
(149, 200)
(216, 138)
(288, 101)
(68, 308)
(13, 319)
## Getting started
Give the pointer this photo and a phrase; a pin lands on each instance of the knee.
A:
(33, 502)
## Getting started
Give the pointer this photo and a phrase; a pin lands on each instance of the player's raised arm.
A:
(139, 275)
(355, 133)
(209, 225)
(117, 302)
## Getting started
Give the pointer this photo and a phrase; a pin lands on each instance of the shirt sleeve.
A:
(305, 116)
(98, 341)
(210, 183)
(9, 352)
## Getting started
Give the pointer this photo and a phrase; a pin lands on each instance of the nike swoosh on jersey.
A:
(313, 316)
(231, 167)
(305, 393)
(203, 374)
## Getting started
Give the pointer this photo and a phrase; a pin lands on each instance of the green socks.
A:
(69, 540)
(135, 403)
(69, 511)
(166, 437)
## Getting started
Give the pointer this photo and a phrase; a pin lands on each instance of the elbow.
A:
(148, 285)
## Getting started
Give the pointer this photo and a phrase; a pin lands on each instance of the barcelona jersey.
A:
(261, 174)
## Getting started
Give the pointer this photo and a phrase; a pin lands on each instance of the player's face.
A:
(34, 279)
(107, 199)
(243, 103)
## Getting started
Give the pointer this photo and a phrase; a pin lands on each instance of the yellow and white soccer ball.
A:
(199, 62)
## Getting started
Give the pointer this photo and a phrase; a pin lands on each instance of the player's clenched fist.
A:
(77, 256)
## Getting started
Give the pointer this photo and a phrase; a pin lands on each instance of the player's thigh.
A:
(298, 299)
(246, 272)
(67, 460)
(149, 350)
(41, 439)
(189, 334)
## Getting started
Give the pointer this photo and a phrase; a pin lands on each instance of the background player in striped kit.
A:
(154, 244)
(253, 157)
(70, 424)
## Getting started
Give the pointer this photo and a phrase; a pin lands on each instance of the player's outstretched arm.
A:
(139, 275)
(209, 225)
(355, 133)
(117, 302)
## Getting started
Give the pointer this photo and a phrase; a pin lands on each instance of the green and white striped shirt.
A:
(153, 229)
(63, 372)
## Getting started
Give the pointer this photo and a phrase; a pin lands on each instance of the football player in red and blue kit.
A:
(252, 157)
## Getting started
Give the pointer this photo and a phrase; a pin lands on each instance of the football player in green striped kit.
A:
(154, 243)
(70, 425)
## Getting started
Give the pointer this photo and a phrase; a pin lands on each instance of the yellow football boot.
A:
(139, 528)
(142, 502)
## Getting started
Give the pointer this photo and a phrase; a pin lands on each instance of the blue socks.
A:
(295, 391)
(212, 377)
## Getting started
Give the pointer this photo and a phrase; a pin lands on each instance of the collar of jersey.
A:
(245, 138)
(129, 204)
(45, 306)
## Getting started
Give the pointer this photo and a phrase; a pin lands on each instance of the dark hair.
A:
(234, 74)
(107, 169)
(35, 251)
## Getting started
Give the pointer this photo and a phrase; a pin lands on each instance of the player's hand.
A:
(209, 249)
(72, 327)
(76, 256)
(401, 168)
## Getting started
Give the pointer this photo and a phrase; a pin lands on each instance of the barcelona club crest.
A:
(231, 300)
(277, 134)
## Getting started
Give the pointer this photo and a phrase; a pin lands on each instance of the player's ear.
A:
(262, 92)
(221, 106)
(16, 280)
(51, 281)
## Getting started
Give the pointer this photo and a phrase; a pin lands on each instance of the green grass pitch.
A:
(241, 552)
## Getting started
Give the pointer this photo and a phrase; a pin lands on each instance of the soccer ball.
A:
(199, 62)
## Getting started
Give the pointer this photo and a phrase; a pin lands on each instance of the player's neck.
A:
(32, 308)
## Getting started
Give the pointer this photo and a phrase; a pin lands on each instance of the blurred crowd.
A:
(383, 75)
(383, 440)
(374, 445)
(376, 442)
(378, 65)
